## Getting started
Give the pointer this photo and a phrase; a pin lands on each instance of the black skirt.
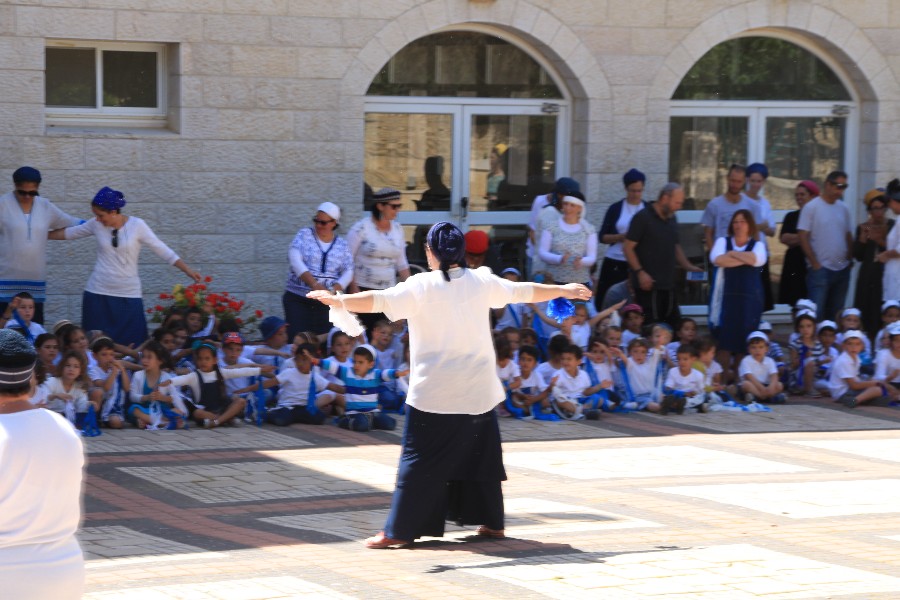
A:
(451, 467)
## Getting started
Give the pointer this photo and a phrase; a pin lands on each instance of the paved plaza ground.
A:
(802, 502)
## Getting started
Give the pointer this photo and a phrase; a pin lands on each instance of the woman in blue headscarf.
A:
(451, 466)
(112, 297)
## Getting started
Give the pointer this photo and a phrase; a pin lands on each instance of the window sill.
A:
(108, 131)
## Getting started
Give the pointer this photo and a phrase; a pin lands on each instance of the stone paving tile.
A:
(261, 588)
(790, 417)
(730, 572)
(524, 517)
(513, 430)
(884, 449)
(116, 541)
(240, 482)
(803, 500)
(132, 440)
(656, 461)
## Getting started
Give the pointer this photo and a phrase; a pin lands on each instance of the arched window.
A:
(756, 99)
(463, 64)
(470, 127)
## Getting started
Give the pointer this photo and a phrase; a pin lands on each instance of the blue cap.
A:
(565, 186)
(270, 326)
(29, 174)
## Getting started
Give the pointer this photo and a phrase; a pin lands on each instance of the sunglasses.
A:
(115, 238)
(840, 186)
(32, 193)
(321, 222)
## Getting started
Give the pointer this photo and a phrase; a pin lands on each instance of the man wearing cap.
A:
(25, 219)
(320, 260)
(564, 186)
(652, 250)
(826, 237)
(41, 461)
(891, 256)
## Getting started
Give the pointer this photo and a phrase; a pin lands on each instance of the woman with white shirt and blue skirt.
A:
(112, 297)
(451, 464)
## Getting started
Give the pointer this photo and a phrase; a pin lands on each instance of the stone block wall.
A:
(267, 111)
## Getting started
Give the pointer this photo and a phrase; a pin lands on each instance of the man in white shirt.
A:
(826, 236)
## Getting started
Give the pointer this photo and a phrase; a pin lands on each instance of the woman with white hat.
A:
(320, 260)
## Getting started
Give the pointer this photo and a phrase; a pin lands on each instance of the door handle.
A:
(464, 207)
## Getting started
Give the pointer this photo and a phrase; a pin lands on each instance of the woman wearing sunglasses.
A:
(112, 297)
(379, 248)
(25, 219)
(320, 260)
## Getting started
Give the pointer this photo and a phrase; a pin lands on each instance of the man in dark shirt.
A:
(652, 250)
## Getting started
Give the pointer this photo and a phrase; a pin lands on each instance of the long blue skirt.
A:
(122, 319)
(451, 468)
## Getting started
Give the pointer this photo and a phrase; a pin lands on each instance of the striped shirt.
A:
(361, 392)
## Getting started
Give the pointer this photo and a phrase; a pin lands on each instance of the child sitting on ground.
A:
(555, 346)
(713, 390)
(212, 405)
(887, 362)
(295, 384)
(67, 392)
(533, 395)
(806, 350)
(572, 386)
(361, 386)
(685, 333)
(683, 387)
(758, 373)
(826, 331)
(844, 382)
(632, 323)
(19, 314)
(597, 364)
(776, 353)
(851, 320)
(640, 368)
(111, 384)
(890, 314)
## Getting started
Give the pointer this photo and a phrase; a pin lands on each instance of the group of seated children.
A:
(837, 358)
(187, 373)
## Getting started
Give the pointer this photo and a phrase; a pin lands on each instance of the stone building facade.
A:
(263, 109)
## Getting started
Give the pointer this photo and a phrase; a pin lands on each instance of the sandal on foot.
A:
(380, 541)
(491, 533)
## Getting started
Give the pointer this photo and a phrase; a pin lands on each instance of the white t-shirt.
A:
(572, 387)
(116, 270)
(67, 408)
(692, 382)
(34, 328)
(545, 370)
(602, 371)
(642, 377)
(719, 211)
(377, 256)
(533, 384)
(509, 372)
(581, 335)
(762, 370)
(452, 358)
(710, 373)
(627, 336)
(294, 388)
(507, 319)
(236, 383)
(885, 364)
(828, 226)
(114, 399)
(41, 459)
(845, 367)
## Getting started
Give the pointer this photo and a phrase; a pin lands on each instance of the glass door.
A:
(479, 166)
